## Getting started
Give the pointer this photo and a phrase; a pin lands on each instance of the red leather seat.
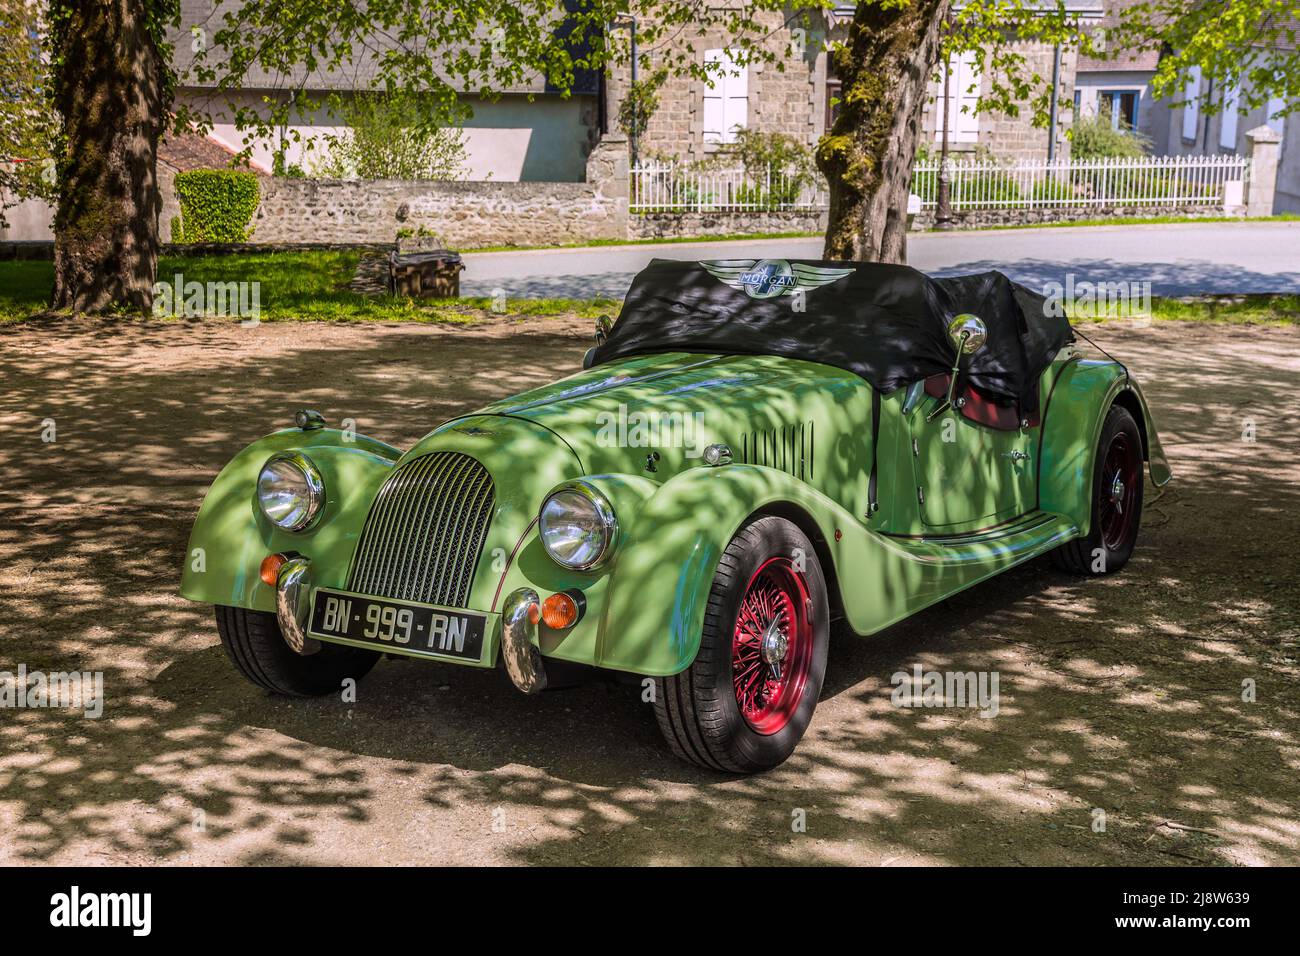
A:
(980, 406)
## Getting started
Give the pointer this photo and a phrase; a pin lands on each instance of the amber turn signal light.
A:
(271, 565)
(560, 611)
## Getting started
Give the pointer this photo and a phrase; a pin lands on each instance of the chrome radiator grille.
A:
(422, 538)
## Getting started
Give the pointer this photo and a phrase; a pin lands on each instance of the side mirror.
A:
(588, 358)
(603, 326)
(968, 334)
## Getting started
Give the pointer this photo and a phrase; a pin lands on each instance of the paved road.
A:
(1179, 259)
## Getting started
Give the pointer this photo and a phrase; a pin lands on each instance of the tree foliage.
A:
(1249, 44)
(28, 126)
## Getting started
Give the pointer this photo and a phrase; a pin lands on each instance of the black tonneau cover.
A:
(885, 323)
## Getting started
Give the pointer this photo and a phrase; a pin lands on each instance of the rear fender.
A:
(1073, 419)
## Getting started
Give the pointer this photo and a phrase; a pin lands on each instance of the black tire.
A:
(1106, 548)
(254, 645)
(698, 710)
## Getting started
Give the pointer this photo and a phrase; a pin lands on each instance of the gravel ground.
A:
(1123, 695)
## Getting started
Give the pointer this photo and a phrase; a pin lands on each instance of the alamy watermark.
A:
(624, 429)
(133, 911)
(37, 689)
(193, 299)
(922, 688)
(1083, 299)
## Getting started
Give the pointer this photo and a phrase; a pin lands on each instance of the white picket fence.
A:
(669, 187)
(1162, 181)
(1153, 181)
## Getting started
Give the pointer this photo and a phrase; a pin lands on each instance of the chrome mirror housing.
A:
(968, 333)
(603, 326)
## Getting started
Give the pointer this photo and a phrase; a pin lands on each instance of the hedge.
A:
(216, 205)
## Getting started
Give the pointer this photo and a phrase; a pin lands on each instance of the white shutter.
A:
(726, 103)
(1228, 118)
(1192, 108)
(963, 96)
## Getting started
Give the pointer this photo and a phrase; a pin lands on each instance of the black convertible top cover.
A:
(885, 323)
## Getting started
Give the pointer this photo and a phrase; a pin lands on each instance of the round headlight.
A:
(577, 527)
(290, 491)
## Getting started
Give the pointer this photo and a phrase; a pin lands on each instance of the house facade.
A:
(1185, 127)
(1117, 86)
(695, 120)
(530, 132)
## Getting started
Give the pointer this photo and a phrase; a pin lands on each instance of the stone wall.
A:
(691, 225)
(463, 214)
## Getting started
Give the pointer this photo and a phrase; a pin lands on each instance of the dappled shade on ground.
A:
(1123, 693)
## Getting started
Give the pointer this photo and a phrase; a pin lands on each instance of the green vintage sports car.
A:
(754, 450)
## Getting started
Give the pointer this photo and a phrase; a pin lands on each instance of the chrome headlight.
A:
(577, 526)
(290, 491)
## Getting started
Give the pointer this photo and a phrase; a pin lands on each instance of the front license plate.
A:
(398, 625)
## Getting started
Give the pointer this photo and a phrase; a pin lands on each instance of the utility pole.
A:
(943, 195)
(629, 21)
(1056, 92)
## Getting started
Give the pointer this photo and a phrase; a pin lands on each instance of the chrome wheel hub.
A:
(1117, 493)
(774, 646)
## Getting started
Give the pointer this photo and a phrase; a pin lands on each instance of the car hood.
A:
(617, 415)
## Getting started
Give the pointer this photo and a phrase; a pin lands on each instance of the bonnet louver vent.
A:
(788, 448)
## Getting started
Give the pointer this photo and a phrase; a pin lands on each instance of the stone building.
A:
(694, 120)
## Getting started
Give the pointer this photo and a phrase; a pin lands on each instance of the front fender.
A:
(231, 536)
(1073, 419)
(660, 581)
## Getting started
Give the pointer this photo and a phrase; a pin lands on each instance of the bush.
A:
(216, 205)
(788, 161)
(1092, 137)
(391, 136)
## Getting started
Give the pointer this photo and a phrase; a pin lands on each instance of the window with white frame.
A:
(726, 103)
(1228, 118)
(963, 96)
(1192, 106)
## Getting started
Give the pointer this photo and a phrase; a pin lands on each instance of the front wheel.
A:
(255, 646)
(747, 699)
(1116, 501)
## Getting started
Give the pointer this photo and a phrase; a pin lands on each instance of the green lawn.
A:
(293, 286)
(311, 286)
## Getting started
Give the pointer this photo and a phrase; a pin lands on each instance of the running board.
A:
(914, 573)
(993, 549)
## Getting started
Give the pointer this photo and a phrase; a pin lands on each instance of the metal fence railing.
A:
(676, 187)
(1149, 181)
(1168, 181)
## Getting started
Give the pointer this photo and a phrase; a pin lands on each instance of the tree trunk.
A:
(110, 90)
(884, 68)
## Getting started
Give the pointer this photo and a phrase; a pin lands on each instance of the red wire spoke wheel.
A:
(1121, 475)
(749, 695)
(1116, 500)
(772, 646)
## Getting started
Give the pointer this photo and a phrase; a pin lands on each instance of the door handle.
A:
(1016, 455)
